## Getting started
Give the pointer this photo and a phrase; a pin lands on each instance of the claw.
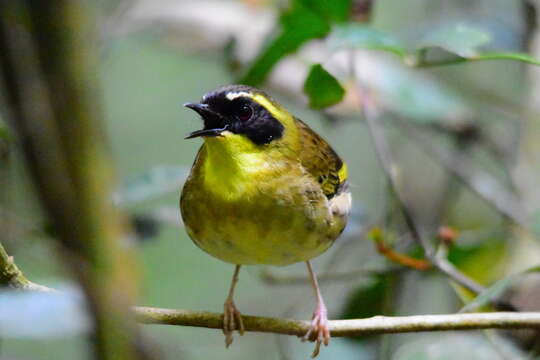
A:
(319, 332)
(232, 320)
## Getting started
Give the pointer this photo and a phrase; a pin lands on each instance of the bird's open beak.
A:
(213, 122)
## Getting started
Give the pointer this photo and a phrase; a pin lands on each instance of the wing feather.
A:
(321, 161)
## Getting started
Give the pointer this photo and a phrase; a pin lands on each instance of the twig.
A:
(481, 183)
(340, 328)
(388, 165)
(11, 276)
(482, 57)
(397, 257)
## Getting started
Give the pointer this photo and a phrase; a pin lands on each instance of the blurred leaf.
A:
(479, 259)
(365, 37)
(535, 227)
(417, 97)
(322, 88)
(403, 90)
(333, 11)
(303, 21)
(42, 315)
(157, 181)
(496, 290)
(459, 38)
(369, 300)
(4, 134)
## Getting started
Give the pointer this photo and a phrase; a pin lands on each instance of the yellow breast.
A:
(247, 206)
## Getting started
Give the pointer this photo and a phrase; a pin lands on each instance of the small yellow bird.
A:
(264, 189)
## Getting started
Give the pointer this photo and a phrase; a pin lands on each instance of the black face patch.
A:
(243, 115)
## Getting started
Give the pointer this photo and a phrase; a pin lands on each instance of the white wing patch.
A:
(341, 204)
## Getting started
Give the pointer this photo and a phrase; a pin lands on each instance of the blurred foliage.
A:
(371, 299)
(496, 290)
(474, 257)
(303, 21)
(146, 76)
(365, 37)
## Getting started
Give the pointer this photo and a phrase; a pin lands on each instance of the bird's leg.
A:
(231, 315)
(319, 331)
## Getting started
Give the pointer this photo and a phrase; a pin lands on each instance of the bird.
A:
(264, 189)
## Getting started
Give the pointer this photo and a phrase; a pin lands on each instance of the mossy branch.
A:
(11, 276)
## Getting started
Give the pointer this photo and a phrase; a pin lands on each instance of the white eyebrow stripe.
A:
(234, 95)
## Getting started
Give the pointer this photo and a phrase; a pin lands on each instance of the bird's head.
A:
(241, 114)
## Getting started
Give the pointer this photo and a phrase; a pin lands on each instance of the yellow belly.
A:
(263, 212)
(256, 232)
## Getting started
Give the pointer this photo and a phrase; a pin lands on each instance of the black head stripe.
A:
(261, 128)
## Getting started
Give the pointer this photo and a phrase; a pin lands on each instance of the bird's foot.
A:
(319, 332)
(232, 320)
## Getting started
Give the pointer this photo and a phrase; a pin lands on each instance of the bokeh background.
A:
(157, 55)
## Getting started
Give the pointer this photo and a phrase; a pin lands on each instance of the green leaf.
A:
(479, 258)
(461, 39)
(304, 21)
(365, 37)
(494, 291)
(322, 88)
(333, 11)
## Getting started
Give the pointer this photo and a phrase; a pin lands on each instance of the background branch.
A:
(389, 167)
(49, 72)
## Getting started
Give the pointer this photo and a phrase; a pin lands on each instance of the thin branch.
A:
(12, 277)
(377, 236)
(341, 328)
(389, 167)
(481, 183)
(482, 57)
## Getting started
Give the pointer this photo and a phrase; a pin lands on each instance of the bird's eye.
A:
(244, 113)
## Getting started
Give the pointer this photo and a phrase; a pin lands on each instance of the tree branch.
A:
(12, 277)
(338, 328)
(341, 328)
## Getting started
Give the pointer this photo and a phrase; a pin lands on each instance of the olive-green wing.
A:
(321, 161)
